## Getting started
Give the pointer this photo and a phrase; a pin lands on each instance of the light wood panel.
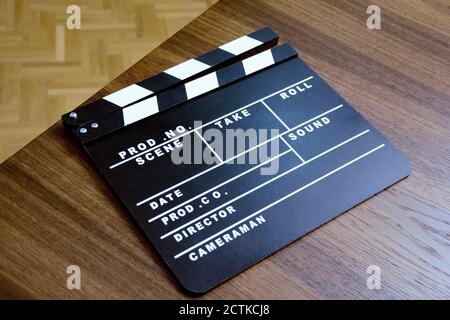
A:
(47, 69)
(56, 210)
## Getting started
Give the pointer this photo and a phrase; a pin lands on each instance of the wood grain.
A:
(47, 69)
(57, 211)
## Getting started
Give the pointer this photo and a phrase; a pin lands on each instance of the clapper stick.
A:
(211, 220)
(182, 93)
(226, 54)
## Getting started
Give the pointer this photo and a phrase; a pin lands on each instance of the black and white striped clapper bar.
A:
(226, 158)
(226, 54)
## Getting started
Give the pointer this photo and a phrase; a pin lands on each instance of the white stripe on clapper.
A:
(128, 95)
(140, 110)
(258, 62)
(240, 45)
(201, 85)
(187, 69)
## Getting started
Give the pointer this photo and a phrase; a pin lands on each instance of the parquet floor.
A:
(47, 69)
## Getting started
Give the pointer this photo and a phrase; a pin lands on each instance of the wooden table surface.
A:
(57, 211)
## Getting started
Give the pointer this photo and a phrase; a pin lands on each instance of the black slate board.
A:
(341, 162)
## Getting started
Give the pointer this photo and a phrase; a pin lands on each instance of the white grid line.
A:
(293, 150)
(278, 201)
(217, 186)
(252, 148)
(208, 123)
(264, 183)
(209, 146)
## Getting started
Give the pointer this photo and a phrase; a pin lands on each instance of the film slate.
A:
(225, 169)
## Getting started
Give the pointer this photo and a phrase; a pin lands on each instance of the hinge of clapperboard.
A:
(193, 78)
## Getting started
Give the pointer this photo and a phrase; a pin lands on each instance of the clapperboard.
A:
(306, 157)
